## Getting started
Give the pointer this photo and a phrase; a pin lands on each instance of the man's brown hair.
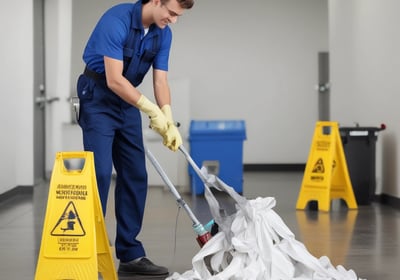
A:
(185, 4)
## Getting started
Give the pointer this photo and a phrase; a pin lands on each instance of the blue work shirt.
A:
(111, 33)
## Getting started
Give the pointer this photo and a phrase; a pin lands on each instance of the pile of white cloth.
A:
(255, 244)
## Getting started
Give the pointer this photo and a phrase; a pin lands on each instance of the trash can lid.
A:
(218, 127)
(361, 130)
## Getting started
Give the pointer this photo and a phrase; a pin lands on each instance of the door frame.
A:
(323, 87)
(39, 93)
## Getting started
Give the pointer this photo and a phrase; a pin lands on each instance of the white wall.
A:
(255, 60)
(16, 81)
(364, 44)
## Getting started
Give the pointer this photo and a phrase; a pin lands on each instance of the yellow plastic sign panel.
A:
(326, 175)
(74, 239)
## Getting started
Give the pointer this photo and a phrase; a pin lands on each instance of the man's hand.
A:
(162, 122)
(172, 138)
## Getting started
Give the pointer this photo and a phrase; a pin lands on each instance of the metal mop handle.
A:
(180, 201)
(193, 164)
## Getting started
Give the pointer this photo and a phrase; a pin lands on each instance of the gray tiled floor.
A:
(366, 240)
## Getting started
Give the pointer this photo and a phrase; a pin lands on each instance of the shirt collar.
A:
(136, 22)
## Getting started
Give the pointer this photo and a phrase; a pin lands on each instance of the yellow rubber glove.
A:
(172, 138)
(166, 109)
(158, 121)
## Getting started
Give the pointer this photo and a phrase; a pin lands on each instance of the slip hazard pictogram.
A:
(319, 166)
(69, 223)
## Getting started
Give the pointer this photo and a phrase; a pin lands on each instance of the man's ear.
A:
(156, 2)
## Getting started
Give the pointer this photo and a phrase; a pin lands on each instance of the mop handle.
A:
(162, 173)
(193, 164)
(172, 188)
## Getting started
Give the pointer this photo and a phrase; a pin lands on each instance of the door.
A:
(323, 87)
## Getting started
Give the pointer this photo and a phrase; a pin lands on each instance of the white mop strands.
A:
(255, 244)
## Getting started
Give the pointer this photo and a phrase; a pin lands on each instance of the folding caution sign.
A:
(326, 175)
(74, 239)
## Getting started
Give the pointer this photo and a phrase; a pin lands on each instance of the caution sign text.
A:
(74, 192)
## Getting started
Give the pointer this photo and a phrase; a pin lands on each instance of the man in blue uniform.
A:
(128, 39)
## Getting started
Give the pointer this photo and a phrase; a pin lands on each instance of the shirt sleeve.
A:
(111, 32)
(162, 58)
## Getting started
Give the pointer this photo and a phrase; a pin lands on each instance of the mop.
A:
(254, 243)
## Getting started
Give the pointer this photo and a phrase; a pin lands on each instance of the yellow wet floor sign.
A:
(326, 175)
(74, 243)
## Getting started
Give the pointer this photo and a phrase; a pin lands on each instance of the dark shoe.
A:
(142, 267)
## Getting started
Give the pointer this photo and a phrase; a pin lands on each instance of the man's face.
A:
(167, 13)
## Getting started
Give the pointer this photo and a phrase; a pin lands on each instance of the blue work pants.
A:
(112, 129)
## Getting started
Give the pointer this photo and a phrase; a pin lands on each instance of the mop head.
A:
(255, 244)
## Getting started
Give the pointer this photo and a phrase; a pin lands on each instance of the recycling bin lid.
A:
(230, 128)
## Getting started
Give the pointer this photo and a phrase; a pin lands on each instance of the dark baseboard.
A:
(19, 190)
(274, 167)
(388, 200)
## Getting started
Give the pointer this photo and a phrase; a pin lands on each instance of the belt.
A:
(98, 77)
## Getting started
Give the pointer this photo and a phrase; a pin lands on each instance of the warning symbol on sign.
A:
(69, 223)
(319, 166)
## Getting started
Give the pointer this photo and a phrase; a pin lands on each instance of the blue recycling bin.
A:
(218, 146)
